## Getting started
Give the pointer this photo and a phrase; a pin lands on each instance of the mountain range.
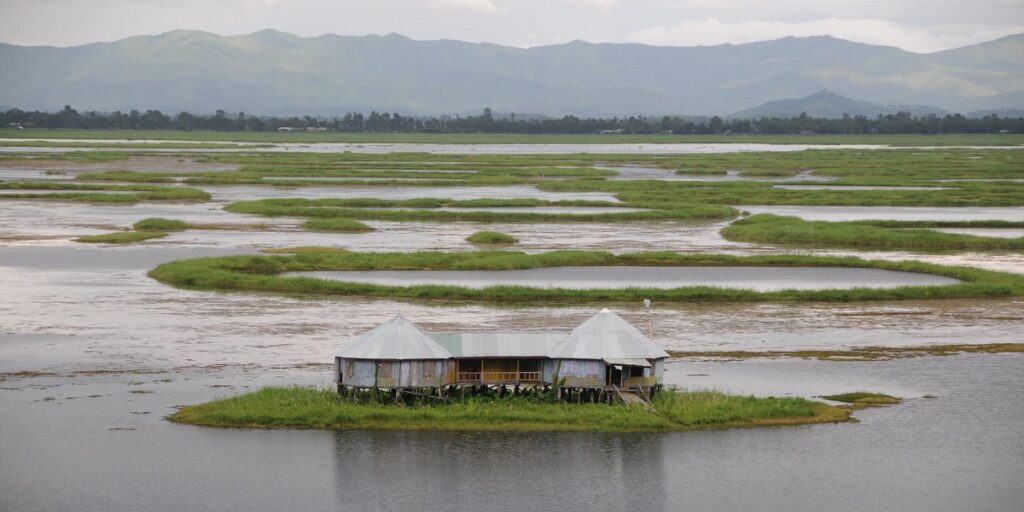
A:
(271, 72)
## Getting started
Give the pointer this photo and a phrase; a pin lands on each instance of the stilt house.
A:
(602, 354)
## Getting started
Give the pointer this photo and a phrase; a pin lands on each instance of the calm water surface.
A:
(90, 444)
(843, 213)
(589, 278)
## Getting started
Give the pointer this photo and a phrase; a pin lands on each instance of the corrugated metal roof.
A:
(606, 336)
(498, 344)
(397, 338)
(603, 337)
(627, 362)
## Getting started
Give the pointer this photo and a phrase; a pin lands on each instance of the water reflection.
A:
(500, 471)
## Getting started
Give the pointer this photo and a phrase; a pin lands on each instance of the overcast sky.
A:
(915, 25)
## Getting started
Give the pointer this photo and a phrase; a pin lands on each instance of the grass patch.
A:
(862, 399)
(337, 225)
(100, 193)
(491, 237)
(773, 229)
(859, 353)
(297, 407)
(429, 210)
(158, 224)
(121, 237)
(261, 273)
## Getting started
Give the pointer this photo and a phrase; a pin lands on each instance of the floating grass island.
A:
(774, 229)
(121, 237)
(297, 407)
(476, 210)
(336, 226)
(99, 193)
(263, 274)
(491, 238)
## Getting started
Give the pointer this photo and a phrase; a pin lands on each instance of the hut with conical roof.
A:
(394, 355)
(607, 351)
(604, 354)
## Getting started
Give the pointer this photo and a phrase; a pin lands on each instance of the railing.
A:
(498, 376)
(637, 382)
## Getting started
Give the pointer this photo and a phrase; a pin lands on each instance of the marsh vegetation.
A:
(297, 407)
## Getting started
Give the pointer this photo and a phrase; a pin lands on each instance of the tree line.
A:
(899, 123)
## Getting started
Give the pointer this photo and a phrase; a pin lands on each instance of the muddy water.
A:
(91, 438)
(252, 192)
(989, 232)
(53, 427)
(633, 172)
(449, 149)
(843, 213)
(589, 278)
(853, 187)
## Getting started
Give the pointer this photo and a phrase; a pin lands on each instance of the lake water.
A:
(611, 147)
(844, 213)
(633, 172)
(990, 232)
(124, 350)
(959, 451)
(253, 192)
(589, 278)
(853, 187)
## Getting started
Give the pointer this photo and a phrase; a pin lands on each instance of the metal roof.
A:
(498, 344)
(397, 338)
(627, 362)
(606, 336)
(603, 337)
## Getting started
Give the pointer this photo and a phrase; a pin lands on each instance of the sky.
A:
(916, 25)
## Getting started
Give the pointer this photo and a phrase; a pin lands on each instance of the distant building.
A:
(612, 132)
(287, 129)
(603, 355)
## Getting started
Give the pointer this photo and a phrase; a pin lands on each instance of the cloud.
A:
(470, 5)
(712, 31)
(600, 4)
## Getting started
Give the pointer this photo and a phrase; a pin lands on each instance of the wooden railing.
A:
(637, 382)
(498, 376)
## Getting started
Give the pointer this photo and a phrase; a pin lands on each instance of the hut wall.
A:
(659, 370)
(359, 373)
(582, 374)
(548, 371)
(396, 374)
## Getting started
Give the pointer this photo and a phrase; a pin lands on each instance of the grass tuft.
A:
(491, 237)
(121, 237)
(337, 225)
(158, 224)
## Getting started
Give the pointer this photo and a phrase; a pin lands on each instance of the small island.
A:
(669, 411)
(603, 376)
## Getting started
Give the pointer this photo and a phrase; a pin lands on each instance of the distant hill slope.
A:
(272, 72)
(827, 104)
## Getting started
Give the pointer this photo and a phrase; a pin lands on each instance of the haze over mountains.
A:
(272, 72)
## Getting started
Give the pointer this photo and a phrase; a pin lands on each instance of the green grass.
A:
(337, 225)
(121, 237)
(296, 407)
(773, 229)
(491, 237)
(261, 274)
(486, 138)
(391, 210)
(158, 224)
(862, 399)
(94, 193)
